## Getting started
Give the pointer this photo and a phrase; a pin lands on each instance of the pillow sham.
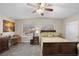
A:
(49, 34)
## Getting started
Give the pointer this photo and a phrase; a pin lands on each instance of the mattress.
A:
(53, 39)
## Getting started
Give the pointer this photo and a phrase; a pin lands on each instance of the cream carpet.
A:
(23, 49)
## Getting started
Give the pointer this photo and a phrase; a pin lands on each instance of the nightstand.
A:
(35, 40)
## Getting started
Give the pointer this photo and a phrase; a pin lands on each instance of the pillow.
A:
(44, 34)
(50, 34)
(56, 34)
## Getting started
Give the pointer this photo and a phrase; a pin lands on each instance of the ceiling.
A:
(23, 11)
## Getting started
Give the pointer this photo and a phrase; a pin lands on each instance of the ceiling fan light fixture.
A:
(42, 4)
(39, 11)
(41, 8)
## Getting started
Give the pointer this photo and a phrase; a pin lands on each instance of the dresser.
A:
(3, 44)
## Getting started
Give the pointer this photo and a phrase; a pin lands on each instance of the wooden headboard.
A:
(48, 30)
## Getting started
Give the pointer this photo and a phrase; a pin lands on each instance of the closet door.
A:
(72, 31)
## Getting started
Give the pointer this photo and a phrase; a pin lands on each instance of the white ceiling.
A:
(22, 10)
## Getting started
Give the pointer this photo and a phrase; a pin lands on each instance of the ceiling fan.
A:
(41, 7)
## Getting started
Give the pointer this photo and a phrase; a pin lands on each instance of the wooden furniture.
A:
(16, 39)
(52, 46)
(31, 42)
(3, 44)
(48, 30)
(60, 49)
(13, 41)
(35, 40)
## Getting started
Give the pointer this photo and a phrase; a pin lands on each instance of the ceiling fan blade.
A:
(34, 11)
(48, 9)
(31, 5)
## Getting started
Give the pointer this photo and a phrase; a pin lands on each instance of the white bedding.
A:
(53, 39)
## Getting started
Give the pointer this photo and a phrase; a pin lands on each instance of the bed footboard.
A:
(60, 49)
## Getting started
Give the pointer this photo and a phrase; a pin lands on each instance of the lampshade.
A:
(37, 31)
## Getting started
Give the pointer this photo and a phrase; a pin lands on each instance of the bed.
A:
(57, 46)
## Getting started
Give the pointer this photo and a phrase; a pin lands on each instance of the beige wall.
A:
(60, 25)
(56, 22)
(1, 24)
